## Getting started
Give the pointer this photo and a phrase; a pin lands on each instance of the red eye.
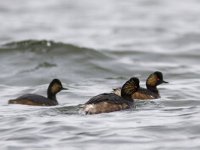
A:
(158, 79)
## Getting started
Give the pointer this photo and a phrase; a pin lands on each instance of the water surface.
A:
(92, 47)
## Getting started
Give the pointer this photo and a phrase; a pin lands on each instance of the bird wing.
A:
(108, 97)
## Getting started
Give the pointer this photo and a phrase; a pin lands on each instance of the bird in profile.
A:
(37, 100)
(109, 102)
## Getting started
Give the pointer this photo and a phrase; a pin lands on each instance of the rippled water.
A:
(92, 47)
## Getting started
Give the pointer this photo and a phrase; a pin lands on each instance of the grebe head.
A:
(155, 79)
(55, 86)
(130, 87)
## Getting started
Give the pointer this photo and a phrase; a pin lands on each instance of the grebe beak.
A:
(164, 81)
(64, 88)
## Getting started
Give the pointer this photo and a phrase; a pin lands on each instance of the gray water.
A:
(92, 47)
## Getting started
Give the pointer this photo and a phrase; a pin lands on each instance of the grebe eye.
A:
(158, 79)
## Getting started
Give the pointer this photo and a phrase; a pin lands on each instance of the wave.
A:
(31, 58)
(45, 46)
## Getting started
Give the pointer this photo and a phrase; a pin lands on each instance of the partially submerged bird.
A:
(151, 92)
(37, 100)
(109, 102)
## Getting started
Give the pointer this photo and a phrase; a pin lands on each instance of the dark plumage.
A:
(109, 102)
(37, 100)
(151, 92)
(108, 97)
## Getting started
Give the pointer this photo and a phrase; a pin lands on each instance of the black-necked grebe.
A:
(109, 102)
(151, 92)
(37, 100)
